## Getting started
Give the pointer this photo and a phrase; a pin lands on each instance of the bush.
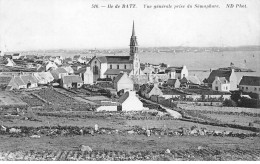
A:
(229, 103)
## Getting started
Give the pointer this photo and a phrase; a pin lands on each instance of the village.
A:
(128, 102)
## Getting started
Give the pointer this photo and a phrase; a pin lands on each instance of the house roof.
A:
(61, 70)
(219, 73)
(118, 77)
(147, 70)
(68, 79)
(28, 78)
(18, 80)
(223, 80)
(191, 79)
(116, 71)
(250, 80)
(81, 70)
(44, 76)
(155, 90)
(172, 81)
(123, 97)
(173, 69)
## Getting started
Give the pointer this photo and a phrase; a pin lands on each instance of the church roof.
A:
(116, 71)
(118, 59)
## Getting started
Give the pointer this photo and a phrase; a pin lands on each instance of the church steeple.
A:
(133, 42)
(133, 30)
(134, 52)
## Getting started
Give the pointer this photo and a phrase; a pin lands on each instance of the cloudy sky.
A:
(72, 24)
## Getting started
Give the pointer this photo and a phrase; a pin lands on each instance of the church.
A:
(112, 66)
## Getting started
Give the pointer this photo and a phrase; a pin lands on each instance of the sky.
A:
(73, 24)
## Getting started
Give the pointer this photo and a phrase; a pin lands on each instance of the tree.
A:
(229, 103)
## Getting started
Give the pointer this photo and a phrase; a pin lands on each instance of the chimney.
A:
(232, 70)
(131, 93)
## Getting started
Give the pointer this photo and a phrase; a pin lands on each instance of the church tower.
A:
(134, 52)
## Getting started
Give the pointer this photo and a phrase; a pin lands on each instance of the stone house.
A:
(71, 81)
(250, 84)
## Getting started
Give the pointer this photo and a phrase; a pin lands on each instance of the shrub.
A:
(229, 103)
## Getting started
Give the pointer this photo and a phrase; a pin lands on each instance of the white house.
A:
(16, 56)
(177, 72)
(221, 84)
(130, 102)
(86, 74)
(57, 61)
(250, 84)
(58, 73)
(123, 81)
(43, 77)
(29, 80)
(228, 74)
(10, 63)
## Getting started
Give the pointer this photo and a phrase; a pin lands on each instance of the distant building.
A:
(154, 91)
(221, 84)
(68, 68)
(16, 56)
(177, 72)
(17, 81)
(250, 84)
(130, 102)
(86, 74)
(190, 81)
(229, 75)
(43, 77)
(29, 80)
(123, 81)
(57, 61)
(58, 73)
(10, 63)
(71, 81)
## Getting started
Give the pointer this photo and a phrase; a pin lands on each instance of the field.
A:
(58, 123)
(9, 99)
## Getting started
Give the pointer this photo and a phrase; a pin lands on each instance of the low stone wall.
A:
(219, 109)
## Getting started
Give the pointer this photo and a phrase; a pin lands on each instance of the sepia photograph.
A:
(129, 80)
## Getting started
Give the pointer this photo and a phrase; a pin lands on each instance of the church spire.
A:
(133, 30)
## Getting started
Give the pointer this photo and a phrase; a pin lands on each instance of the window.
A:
(255, 89)
(95, 62)
(110, 66)
(216, 88)
(242, 88)
(246, 88)
(183, 75)
(117, 66)
(125, 66)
